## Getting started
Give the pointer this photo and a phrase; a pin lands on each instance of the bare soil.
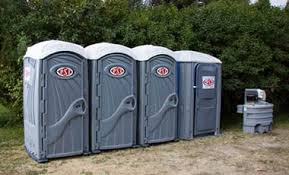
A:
(230, 153)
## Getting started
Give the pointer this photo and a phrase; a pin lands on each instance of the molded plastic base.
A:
(257, 129)
(43, 160)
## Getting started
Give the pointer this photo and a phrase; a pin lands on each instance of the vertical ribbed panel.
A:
(158, 89)
(31, 103)
(186, 100)
(206, 113)
(62, 92)
(117, 130)
(29, 91)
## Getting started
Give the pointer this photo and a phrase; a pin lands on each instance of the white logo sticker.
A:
(117, 71)
(208, 82)
(162, 71)
(64, 72)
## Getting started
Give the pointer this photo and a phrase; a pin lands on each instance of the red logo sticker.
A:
(162, 71)
(117, 71)
(208, 82)
(64, 72)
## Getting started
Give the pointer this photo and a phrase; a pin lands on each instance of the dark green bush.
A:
(251, 41)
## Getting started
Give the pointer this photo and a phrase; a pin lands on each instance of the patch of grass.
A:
(11, 136)
(3, 109)
(234, 122)
(6, 116)
(281, 120)
(263, 148)
(86, 173)
(12, 155)
(34, 172)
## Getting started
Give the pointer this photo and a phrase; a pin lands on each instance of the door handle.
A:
(170, 102)
(128, 104)
(76, 109)
(80, 106)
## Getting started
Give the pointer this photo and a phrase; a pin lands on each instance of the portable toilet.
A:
(199, 78)
(157, 117)
(113, 91)
(55, 100)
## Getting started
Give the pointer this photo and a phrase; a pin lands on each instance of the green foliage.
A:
(11, 137)
(251, 40)
(161, 25)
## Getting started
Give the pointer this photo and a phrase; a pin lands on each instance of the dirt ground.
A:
(230, 153)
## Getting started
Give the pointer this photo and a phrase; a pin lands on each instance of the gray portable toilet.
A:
(55, 97)
(199, 78)
(113, 91)
(157, 117)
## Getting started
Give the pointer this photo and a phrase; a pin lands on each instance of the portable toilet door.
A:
(113, 96)
(55, 100)
(199, 94)
(157, 94)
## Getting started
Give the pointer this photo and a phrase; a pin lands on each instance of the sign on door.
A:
(208, 82)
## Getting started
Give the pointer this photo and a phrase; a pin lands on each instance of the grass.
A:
(6, 116)
(14, 135)
(11, 136)
(281, 121)
(3, 109)
(12, 154)
(232, 122)
(14, 160)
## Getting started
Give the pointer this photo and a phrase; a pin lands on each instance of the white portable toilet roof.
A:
(145, 52)
(97, 51)
(46, 48)
(197, 57)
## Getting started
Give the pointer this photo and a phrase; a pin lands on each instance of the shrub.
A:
(251, 40)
